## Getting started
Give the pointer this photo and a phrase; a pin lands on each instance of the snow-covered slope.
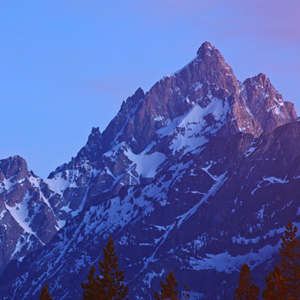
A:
(190, 176)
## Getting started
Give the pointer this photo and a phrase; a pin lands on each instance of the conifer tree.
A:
(276, 289)
(284, 281)
(45, 295)
(169, 289)
(89, 287)
(109, 285)
(246, 289)
(290, 261)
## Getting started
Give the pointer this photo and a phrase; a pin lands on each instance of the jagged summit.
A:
(204, 95)
(14, 167)
(93, 146)
(179, 114)
(137, 95)
(260, 80)
(95, 131)
(94, 137)
(206, 48)
(267, 104)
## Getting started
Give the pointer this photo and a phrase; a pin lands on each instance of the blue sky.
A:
(66, 66)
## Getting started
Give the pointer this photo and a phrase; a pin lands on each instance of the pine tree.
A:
(169, 289)
(284, 282)
(276, 288)
(45, 295)
(246, 289)
(89, 287)
(109, 285)
(290, 261)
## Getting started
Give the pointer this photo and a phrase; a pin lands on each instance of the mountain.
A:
(199, 175)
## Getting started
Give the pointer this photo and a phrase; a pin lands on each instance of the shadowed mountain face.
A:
(197, 175)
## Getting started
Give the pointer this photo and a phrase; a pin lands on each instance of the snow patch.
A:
(59, 184)
(21, 215)
(250, 151)
(146, 164)
(268, 181)
(224, 262)
(188, 131)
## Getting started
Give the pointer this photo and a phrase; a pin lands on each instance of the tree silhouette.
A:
(246, 289)
(109, 285)
(45, 295)
(290, 261)
(284, 281)
(169, 289)
(276, 289)
(89, 288)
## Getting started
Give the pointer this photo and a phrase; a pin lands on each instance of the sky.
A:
(67, 65)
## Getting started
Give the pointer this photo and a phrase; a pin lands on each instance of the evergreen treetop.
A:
(284, 282)
(45, 295)
(169, 289)
(109, 284)
(246, 290)
(89, 288)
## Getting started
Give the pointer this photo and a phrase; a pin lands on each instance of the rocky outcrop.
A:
(27, 221)
(266, 104)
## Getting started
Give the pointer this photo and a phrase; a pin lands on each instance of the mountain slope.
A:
(27, 218)
(196, 175)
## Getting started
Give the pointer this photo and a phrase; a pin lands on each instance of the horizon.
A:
(59, 80)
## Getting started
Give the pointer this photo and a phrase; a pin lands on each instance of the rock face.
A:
(199, 175)
(27, 221)
(266, 103)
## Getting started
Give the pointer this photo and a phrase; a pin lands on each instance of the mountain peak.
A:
(266, 104)
(133, 100)
(14, 167)
(261, 79)
(139, 93)
(95, 138)
(206, 47)
(93, 145)
(95, 132)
